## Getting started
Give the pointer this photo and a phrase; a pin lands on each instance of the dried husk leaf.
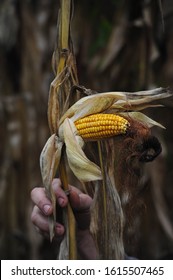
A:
(138, 116)
(92, 104)
(53, 103)
(49, 161)
(53, 108)
(84, 169)
(156, 93)
(133, 105)
(140, 100)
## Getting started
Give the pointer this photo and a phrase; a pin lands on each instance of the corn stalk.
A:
(59, 98)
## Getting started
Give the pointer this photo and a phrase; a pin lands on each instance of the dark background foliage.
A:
(119, 45)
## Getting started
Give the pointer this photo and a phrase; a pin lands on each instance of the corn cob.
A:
(98, 126)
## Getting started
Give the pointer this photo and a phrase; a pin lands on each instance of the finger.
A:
(41, 223)
(59, 193)
(39, 198)
(58, 238)
(39, 220)
(78, 200)
(81, 204)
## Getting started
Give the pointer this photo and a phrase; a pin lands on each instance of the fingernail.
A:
(59, 230)
(46, 208)
(61, 201)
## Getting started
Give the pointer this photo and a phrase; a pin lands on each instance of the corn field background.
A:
(119, 45)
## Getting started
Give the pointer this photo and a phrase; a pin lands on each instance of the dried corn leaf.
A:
(137, 101)
(154, 94)
(92, 104)
(53, 102)
(49, 161)
(82, 167)
(140, 117)
(134, 105)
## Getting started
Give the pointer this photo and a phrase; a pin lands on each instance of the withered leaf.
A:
(92, 104)
(49, 161)
(138, 116)
(137, 101)
(84, 169)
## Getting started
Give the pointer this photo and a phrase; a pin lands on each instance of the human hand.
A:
(80, 204)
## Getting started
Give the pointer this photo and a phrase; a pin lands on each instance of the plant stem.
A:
(70, 216)
(104, 196)
(63, 50)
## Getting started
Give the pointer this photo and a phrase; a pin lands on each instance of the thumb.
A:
(81, 204)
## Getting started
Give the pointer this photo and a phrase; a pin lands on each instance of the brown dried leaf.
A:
(49, 161)
(53, 105)
(53, 102)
